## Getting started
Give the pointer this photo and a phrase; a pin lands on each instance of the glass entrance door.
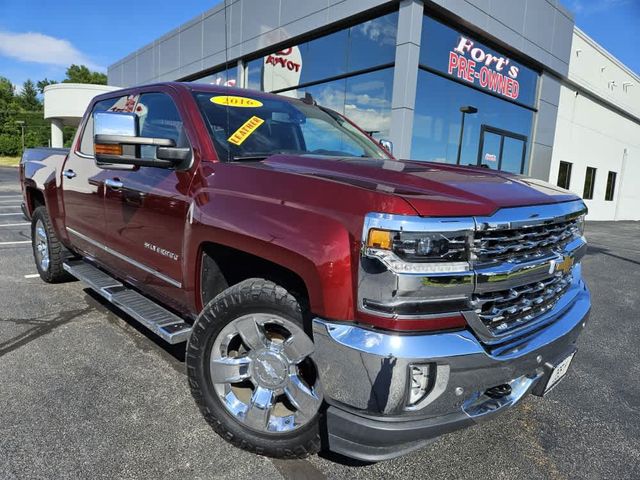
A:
(501, 150)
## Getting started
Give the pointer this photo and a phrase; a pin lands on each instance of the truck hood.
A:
(432, 189)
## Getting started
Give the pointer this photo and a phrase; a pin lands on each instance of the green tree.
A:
(10, 145)
(82, 74)
(29, 97)
(43, 83)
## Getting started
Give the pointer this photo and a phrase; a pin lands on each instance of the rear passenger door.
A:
(146, 208)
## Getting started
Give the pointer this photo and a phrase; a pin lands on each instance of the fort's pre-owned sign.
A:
(476, 65)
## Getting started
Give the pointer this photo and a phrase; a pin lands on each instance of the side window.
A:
(116, 104)
(159, 118)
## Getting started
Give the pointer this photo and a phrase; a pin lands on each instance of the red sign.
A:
(485, 69)
(279, 59)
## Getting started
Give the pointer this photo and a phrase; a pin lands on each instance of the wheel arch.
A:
(221, 266)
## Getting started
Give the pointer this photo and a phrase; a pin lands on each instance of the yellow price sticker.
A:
(231, 101)
(245, 130)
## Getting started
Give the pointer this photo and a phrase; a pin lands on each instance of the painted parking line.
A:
(14, 224)
(9, 214)
(19, 242)
(32, 275)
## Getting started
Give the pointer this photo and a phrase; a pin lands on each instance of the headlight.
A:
(419, 252)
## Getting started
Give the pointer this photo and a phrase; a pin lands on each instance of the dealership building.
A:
(512, 85)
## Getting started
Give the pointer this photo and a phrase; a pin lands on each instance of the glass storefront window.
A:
(372, 43)
(494, 136)
(462, 57)
(363, 46)
(228, 78)
(254, 74)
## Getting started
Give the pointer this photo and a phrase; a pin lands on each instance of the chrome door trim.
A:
(130, 260)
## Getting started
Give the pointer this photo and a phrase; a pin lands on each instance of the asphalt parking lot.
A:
(85, 393)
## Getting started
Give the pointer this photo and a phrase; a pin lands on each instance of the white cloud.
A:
(39, 48)
(379, 31)
(369, 119)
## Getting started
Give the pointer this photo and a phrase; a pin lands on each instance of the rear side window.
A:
(116, 104)
(159, 118)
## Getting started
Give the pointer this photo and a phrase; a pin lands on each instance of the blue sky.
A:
(40, 38)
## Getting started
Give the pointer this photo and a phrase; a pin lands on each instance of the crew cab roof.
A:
(198, 87)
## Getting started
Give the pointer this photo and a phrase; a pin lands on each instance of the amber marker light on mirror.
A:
(104, 149)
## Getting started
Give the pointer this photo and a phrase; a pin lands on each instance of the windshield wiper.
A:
(256, 156)
(251, 158)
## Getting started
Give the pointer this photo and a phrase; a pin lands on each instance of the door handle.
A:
(69, 173)
(113, 184)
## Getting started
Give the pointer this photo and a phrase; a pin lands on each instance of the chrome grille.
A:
(504, 310)
(501, 244)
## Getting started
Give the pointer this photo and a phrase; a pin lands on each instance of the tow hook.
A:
(499, 391)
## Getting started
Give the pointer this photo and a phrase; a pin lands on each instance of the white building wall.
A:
(591, 131)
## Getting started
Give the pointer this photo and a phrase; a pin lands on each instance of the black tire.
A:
(57, 253)
(251, 296)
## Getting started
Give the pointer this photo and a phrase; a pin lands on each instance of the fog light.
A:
(419, 383)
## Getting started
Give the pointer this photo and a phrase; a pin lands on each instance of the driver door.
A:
(146, 208)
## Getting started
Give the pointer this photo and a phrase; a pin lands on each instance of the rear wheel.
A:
(48, 253)
(251, 371)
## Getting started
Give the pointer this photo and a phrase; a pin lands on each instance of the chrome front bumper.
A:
(366, 379)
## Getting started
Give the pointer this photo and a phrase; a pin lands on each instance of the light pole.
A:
(21, 123)
(466, 109)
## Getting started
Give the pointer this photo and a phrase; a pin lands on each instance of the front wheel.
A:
(251, 372)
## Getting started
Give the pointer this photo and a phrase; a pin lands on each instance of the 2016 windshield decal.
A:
(465, 58)
(238, 102)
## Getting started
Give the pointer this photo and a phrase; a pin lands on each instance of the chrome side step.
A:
(160, 321)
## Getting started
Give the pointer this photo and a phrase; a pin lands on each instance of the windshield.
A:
(247, 128)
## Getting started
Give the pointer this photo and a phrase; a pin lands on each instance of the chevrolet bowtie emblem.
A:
(565, 265)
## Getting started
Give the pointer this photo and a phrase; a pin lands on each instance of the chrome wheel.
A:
(41, 246)
(262, 372)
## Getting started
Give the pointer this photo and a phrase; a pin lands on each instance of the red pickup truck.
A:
(330, 295)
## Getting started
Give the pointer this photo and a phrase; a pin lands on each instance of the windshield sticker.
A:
(245, 130)
(231, 101)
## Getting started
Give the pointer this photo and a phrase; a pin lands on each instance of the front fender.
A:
(314, 245)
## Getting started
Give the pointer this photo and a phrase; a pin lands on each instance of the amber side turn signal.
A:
(107, 149)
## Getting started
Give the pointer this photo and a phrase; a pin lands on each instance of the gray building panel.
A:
(539, 23)
(213, 34)
(304, 25)
(562, 37)
(191, 44)
(293, 10)
(540, 161)
(510, 13)
(546, 124)
(405, 79)
(549, 89)
(265, 19)
(146, 71)
(169, 54)
(129, 69)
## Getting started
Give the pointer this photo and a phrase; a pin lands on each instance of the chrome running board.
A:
(168, 326)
